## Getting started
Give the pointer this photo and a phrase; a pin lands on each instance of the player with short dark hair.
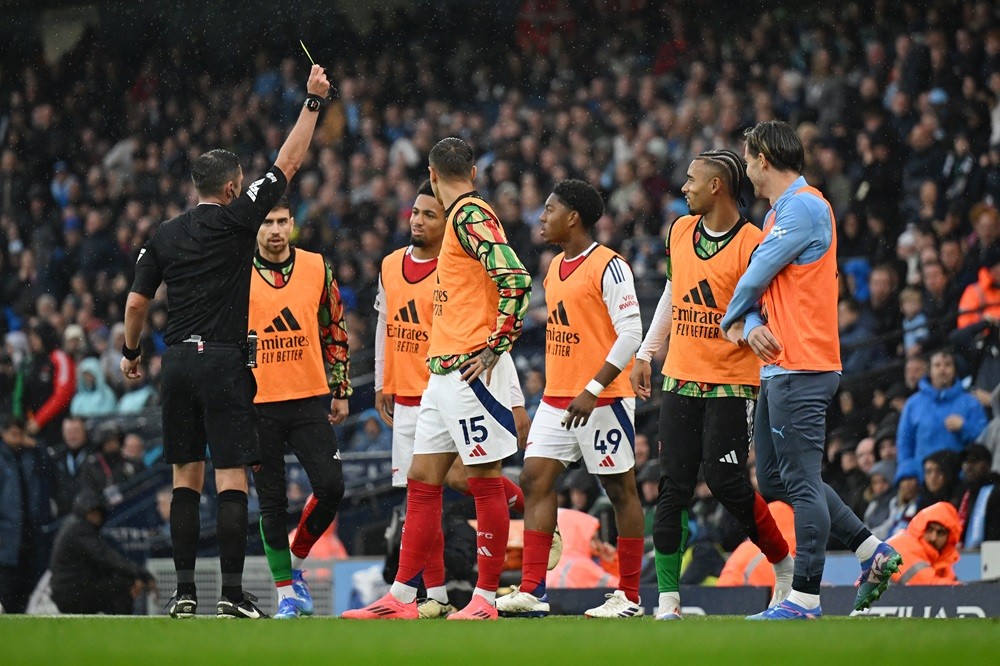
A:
(296, 311)
(587, 410)
(709, 387)
(479, 304)
(793, 275)
(204, 256)
(405, 309)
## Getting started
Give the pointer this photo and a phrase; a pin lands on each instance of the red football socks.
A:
(769, 538)
(534, 562)
(515, 496)
(493, 519)
(630, 566)
(434, 571)
(420, 530)
(304, 541)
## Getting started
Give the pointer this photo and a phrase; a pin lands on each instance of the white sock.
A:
(783, 572)
(286, 592)
(867, 548)
(807, 601)
(491, 597)
(405, 593)
(669, 601)
(297, 562)
(438, 594)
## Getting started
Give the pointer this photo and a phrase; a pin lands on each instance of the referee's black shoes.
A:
(182, 606)
(245, 609)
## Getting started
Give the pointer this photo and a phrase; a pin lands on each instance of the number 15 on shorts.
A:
(614, 438)
(478, 431)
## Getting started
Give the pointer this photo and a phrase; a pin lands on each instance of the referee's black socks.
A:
(231, 531)
(185, 526)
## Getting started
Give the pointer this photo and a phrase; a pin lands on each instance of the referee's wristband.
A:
(131, 354)
(314, 102)
(594, 387)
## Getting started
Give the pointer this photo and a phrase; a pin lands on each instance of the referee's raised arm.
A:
(294, 149)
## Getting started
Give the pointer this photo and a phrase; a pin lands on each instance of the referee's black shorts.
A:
(208, 401)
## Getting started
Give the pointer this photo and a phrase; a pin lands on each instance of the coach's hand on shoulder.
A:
(522, 424)
(640, 378)
(483, 361)
(764, 344)
(318, 84)
(384, 404)
(579, 411)
(338, 411)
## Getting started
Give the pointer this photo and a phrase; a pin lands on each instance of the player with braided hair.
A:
(709, 386)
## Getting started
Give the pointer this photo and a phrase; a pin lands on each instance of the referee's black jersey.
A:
(205, 255)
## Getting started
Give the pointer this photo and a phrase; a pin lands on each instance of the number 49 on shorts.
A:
(614, 438)
(474, 425)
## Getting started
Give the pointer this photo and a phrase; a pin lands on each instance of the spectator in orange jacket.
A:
(928, 547)
(743, 566)
(981, 299)
(582, 549)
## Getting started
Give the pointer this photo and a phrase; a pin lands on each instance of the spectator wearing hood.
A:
(879, 493)
(50, 381)
(979, 504)
(88, 574)
(370, 434)
(928, 547)
(94, 398)
(587, 560)
(940, 416)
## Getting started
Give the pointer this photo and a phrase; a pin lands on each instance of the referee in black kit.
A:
(205, 256)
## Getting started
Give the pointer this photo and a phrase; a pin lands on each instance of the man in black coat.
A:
(88, 574)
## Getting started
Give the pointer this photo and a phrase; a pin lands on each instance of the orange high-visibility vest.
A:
(800, 306)
(289, 353)
(700, 293)
(579, 332)
(409, 306)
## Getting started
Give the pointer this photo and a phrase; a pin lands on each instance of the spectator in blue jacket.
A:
(941, 415)
(24, 515)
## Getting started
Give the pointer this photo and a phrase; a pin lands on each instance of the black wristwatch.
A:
(131, 354)
(314, 103)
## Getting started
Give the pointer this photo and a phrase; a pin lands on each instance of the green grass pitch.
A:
(557, 640)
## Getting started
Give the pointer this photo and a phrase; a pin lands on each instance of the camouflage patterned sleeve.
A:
(333, 337)
(483, 238)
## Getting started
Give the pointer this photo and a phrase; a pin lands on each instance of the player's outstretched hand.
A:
(318, 84)
(522, 424)
(579, 411)
(764, 344)
(475, 366)
(338, 411)
(385, 403)
(640, 378)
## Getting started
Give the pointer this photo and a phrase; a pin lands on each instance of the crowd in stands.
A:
(897, 105)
